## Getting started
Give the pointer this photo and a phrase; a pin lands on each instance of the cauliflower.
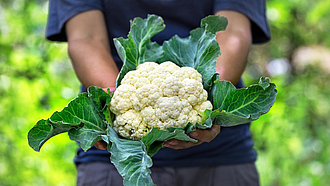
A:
(158, 95)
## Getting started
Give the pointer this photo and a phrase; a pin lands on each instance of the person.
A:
(89, 26)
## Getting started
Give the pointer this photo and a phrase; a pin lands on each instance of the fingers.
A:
(178, 144)
(101, 145)
(206, 135)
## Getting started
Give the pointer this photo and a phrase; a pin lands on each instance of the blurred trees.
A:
(36, 78)
(292, 140)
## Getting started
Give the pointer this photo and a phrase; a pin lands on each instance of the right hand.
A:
(102, 145)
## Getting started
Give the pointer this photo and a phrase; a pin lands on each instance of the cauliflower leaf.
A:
(200, 50)
(44, 130)
(237, 106)
(82, 118)
(130, 158)
(138, 48)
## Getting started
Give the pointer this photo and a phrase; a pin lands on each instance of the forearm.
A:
(93, 63)
(235, 43)
(89, 50)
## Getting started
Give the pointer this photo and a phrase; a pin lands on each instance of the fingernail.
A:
(173, 142)
(193, 134)
(170, 143)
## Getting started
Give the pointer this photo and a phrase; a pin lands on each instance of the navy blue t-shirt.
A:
(233, 145)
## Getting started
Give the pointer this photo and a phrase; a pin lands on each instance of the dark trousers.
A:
(105, 174)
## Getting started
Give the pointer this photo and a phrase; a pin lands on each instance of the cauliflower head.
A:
(158, 95)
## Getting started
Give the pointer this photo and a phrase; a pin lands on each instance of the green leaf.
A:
(44, 130)
(101, 99)
(220, 93)
(82, 118)
(130, 158)
(205, 124)
(227, 119)
(208, 85)
(200, 50)
(155, 138)
(237, 106)
(214, 24)
(138, 47)
(206, 121)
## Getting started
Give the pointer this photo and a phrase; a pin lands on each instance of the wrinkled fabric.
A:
(105, 174)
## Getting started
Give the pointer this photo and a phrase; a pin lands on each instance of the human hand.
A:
(102, 145)
(205, 135)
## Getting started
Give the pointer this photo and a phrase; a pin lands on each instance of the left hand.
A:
(206, 135)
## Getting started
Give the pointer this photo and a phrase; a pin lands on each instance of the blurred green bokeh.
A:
(292, 140)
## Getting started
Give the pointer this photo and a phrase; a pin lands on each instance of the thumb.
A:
(101, 145)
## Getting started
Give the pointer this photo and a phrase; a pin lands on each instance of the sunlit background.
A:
(292, 140)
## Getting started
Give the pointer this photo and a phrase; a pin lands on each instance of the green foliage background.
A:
(36, 78)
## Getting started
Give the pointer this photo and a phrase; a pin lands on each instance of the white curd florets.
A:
(158, 95)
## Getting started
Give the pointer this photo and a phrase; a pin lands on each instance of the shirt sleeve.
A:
(60, 11)
(255, 10)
